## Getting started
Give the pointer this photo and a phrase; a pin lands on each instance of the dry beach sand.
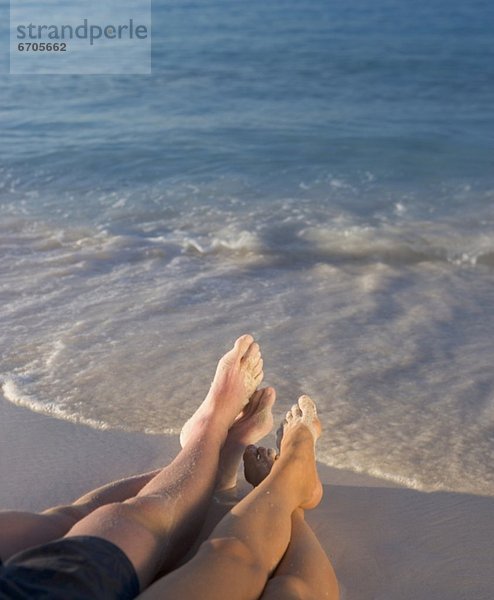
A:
(386, 542)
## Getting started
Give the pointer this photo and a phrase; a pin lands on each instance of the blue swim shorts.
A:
(74, 568)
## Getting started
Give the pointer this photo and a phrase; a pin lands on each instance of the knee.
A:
(231, 549)
(113, 512)
(66, 516)
(232, 553)
(287, 587)
(146, 512)
(123, 517)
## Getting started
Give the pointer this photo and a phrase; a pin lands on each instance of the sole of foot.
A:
(256, 419)
(296, 438)
(238, 374)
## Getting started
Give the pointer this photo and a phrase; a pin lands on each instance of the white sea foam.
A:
(386, 324)
(11, 390)
(351, 232)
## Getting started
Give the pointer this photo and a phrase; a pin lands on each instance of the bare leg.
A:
(255, 421)
(246, 546)
(157, 526)
(304, 572)
(22, 530)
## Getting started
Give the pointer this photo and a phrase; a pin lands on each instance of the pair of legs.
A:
(155, 526)
(263, 548)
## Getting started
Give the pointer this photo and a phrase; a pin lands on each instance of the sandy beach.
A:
(317, 174)
(385, 542)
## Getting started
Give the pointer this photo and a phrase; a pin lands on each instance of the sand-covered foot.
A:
(238, 374)
(258, 462)
(256, 419)
(252, 424)
(296, 440)
(304, 411)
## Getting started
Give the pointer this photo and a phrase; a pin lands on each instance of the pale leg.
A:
(159, 524)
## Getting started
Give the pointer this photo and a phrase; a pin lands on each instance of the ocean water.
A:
(320, 174)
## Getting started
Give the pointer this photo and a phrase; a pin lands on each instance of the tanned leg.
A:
(245, 548)
(22, 530)
(157, 526)
(304, 572)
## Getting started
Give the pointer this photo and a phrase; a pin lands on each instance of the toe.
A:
(272, 454)
(250, 452)
(263, 398)
(253, 353)
(262, 453)
(296, 411)
(268, 397)
(254, 402)
(307, 405)
(309, 411)
(243, 344)
(258, 367)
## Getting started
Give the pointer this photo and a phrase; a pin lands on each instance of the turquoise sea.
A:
(318, 173)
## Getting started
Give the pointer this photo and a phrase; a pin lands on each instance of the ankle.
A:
(217, 410)
(229, 464)
(209, 430)
(297, 438)
(298, 475)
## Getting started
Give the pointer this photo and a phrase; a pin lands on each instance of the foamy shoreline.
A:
(386, 542)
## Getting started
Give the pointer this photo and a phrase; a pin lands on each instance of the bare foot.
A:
(296, 440)
(258, 463)
(256, 419)
(237, 376)
(253, 423)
